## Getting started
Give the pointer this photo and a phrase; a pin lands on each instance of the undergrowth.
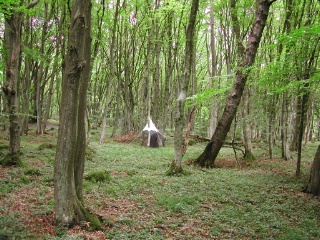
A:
(128, 188)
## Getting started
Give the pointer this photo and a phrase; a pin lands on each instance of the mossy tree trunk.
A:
(207, 158)
(70, 155)
(176, 167)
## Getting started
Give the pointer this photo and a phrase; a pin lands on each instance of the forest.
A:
(231, 85)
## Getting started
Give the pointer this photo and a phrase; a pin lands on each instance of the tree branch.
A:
(272, 1)
(32, 4)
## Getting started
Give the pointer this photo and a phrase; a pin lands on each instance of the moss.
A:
(94, 222)
(99, 175)
(46, 146)
(25, 180)
(90, 153)
(12, 160)
(33, 172)
(175, 171)
(192, 142)
(3, 147)
(249, 156)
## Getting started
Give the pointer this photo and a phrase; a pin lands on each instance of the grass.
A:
(262, 200)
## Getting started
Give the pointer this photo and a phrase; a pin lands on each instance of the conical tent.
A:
(151, 136)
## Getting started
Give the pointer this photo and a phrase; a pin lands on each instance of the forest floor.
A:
(260, 200)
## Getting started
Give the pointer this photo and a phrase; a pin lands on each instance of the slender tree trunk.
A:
(271, 109)
(26, 82)
(53, 77)
(304, 104)
(171, 59)
(285, 145)
(248, 155)
(213, 71)
(112, 73)
(157, 68)
(176, 166)
(207, 158)
(69, 159)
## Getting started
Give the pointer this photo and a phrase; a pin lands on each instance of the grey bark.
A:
(176, 166)
(69, 160)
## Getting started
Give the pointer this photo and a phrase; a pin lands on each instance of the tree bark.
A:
(207, 158)
(212, 71)
(313, 185)
(69, 160)
(12, 45)
(176, 167)
(26, 82)
(284, 132)
(248, 154)
(112, 73)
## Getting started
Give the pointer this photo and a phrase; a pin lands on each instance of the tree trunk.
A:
(212, 71)
(26, 82)
(176, 167)
(112, 74)
(69, 160)
(248, 155)
(118, 86)
(313, 185)
(285, 145)
(171, 59)
(207, 158)
(12, 45)
(304, 105)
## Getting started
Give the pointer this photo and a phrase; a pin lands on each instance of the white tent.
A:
(151, 136)
(150, 126)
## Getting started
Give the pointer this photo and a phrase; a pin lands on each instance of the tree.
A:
(313, 185)
(12, 45)
(112, 73)
(69, 160)
(207, 158)
(176, 167)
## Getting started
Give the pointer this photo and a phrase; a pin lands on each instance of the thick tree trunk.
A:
(313, 185)
(207, 158)
(176, 167)
(69, 160)
(82, 107)
(12, 45)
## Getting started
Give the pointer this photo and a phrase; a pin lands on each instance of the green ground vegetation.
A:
(136, 200)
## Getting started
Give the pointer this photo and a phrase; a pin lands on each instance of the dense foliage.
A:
(147, 58)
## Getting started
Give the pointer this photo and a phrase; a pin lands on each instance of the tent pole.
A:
(149, 132)
(149, 111)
